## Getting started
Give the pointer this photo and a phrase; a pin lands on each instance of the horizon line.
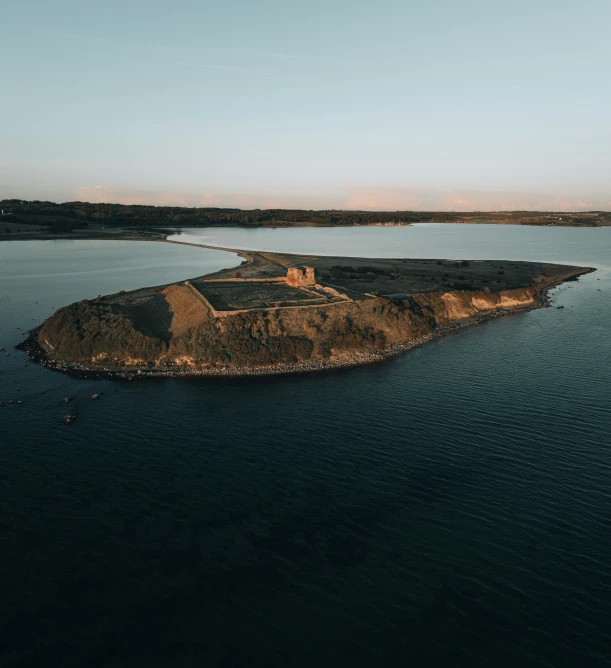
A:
(365, 211)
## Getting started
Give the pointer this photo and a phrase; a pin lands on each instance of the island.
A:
(282, 313)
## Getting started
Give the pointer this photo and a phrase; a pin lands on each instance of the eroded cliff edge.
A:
(279, 313)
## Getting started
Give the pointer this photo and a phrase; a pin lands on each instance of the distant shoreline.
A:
(69, 219)
(161, 233)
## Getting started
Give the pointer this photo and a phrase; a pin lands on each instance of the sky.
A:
(443, 104)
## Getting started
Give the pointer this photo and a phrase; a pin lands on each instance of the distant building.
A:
(8, 213)
(300, 276)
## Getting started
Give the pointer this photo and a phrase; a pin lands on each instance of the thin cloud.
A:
(309, 58)
(431, 199)
(287, 56)
(77, 36)
(162, 49)
(246, 53)
(228, 68)
(359, 198)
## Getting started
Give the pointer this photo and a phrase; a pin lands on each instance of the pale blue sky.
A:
(345, 103)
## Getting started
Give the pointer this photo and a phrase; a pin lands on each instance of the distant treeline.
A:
(117, 215)
(136, 215)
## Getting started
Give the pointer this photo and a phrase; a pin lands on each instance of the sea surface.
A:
(449, 507)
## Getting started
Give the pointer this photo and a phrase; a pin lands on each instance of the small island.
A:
(283, 313)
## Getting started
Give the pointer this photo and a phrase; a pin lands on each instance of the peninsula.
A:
(280, 313)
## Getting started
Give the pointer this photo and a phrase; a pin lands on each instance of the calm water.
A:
(450, 507)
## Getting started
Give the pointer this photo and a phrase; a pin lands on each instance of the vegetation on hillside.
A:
(87, 329)
(119, 215)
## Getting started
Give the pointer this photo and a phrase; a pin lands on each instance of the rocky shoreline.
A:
(39, 354)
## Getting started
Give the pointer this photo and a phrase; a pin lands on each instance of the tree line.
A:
(119, 215)
(140, 215)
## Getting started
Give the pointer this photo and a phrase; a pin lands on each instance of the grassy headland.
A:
(278, 313)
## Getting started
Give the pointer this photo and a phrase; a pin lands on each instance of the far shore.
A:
(30, 225)
(116, 234)
(161, 234)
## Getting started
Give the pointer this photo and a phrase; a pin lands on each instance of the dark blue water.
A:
(450, 507)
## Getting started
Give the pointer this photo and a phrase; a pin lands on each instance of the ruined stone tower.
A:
(300, 276)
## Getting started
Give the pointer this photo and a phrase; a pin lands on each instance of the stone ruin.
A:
(298, 277)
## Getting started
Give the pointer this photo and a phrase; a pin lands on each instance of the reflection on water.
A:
(476, 242)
